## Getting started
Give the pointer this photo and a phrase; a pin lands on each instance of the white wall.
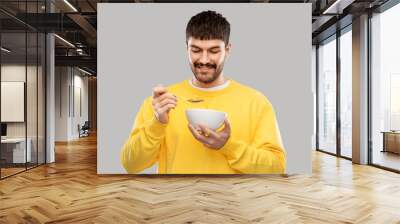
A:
(70, 83)
(81, 82)
(10, 73)
(62, 80)
(16, 72)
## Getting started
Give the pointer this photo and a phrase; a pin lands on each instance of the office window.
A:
(346, 93)
(314, 93)
(327, 96)
(385, 88)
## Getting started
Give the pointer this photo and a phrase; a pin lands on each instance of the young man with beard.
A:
(249, 141)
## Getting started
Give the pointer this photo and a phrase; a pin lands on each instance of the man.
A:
(249, 141)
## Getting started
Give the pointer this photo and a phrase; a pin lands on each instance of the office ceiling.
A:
(78, 24)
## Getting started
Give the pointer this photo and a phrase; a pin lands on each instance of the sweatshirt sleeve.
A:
(142, 147)
(265, 154)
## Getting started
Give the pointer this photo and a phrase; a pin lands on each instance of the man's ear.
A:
(228, 49)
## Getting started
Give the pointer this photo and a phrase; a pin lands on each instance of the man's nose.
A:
(204, 58)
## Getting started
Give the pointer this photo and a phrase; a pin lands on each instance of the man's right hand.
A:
(162, 103)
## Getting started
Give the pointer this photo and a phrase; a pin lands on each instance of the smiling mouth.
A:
(207, 66)
(204, 69)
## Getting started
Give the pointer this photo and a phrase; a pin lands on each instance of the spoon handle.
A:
(192, 100)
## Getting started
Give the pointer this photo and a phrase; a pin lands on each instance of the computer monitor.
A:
(3, 129)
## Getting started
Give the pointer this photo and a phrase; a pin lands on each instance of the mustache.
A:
(208, 65)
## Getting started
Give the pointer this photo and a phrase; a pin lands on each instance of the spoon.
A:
(193, 100)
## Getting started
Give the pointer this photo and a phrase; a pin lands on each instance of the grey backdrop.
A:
(142, 45)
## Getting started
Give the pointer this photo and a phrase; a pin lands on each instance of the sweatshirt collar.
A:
(200, 92)
(215, 88)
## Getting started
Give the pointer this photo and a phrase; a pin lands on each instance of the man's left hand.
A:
(211, 138)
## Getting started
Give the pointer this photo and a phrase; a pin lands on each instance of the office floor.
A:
(70, 191)
(8, 171)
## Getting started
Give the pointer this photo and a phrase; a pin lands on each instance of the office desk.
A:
(391, 141)
(13, 150)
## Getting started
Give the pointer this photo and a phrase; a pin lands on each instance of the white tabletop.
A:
(13, 140)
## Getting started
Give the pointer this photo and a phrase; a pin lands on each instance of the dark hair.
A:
(208, 25)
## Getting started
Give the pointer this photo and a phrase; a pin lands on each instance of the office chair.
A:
(84, 130)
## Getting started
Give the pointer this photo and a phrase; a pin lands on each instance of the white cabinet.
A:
(18, 149)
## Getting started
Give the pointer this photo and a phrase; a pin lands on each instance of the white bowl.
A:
(212, 119)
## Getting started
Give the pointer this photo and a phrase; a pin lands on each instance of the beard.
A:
(206, 73)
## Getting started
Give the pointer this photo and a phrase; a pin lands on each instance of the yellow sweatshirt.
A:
(254, 146)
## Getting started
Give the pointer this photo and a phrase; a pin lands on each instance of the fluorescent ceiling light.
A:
(84, 71)
(65, 41)
(5, 49)
(70, 5)
(331, 7)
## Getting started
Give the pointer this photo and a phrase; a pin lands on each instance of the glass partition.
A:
(13, 109)
(31, 100)
(22, 77)
(385, 89)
